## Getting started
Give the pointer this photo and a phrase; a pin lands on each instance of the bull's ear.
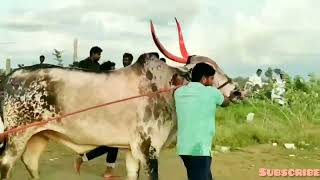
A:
(185, 72)
(189, 60)
(177, 80)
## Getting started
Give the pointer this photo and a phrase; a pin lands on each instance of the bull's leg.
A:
(152, 163)
(32, 153)
(12, 152)
(148, 156)
(133, 166)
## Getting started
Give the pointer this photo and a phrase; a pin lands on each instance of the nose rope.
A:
(224, 84)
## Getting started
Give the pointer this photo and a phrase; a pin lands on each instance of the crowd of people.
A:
(256, 83)
(92, 62)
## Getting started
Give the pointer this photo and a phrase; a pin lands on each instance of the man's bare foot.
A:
(108, 173)
(77, 164)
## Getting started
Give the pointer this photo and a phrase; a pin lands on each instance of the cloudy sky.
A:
(240, 35)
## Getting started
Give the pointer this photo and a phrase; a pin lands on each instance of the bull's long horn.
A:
(183, 49)
(163, 50)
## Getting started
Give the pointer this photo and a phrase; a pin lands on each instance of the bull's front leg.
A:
(148, 155)
(153, 169)
(152, 163)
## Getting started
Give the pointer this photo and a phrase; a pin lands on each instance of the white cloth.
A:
(278, 91)
(255, 80)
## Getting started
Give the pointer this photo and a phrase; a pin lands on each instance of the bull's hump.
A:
(147, 57)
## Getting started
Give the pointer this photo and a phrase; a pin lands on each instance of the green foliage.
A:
(298, 121)
(241, 81)
(299, 84)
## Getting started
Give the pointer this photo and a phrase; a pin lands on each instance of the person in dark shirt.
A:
(91, 62)
(42, 59)
(127, 59)
(107, 66)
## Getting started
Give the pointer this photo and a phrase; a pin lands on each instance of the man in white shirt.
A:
(278, 91)
(255, 81)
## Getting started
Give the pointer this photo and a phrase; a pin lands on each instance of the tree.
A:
(58, 56)
(241, 81)
(300, 84)
(278, 71)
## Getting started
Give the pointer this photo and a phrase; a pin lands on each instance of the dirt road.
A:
(56, 164)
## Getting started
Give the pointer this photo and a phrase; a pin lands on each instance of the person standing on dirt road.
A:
(196, 105)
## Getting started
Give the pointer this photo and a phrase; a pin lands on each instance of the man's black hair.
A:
(106, 66)
(95, 50)
(129, 55)
(200, 70)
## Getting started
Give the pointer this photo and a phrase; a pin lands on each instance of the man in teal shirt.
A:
(196, 106)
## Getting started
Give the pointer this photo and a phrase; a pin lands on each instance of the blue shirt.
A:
(196, 107)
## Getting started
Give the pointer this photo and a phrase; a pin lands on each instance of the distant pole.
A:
(8, 66)
(75, 50)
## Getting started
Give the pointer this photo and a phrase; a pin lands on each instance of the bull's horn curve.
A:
(182, 46)
(166, 52)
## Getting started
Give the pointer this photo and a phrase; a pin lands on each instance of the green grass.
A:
(296, 123)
